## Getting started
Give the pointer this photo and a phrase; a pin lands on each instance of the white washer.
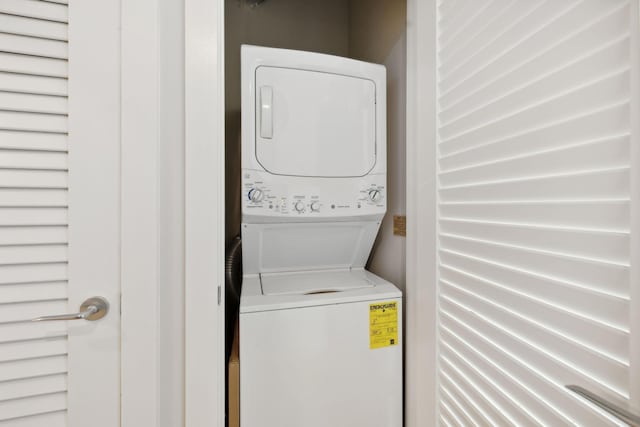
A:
(320, 337)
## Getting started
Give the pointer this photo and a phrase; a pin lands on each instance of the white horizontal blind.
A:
(33, 212)
(534, 209)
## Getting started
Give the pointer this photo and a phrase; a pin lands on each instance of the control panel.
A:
(265, 194)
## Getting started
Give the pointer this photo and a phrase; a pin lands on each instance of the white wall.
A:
(377, 33)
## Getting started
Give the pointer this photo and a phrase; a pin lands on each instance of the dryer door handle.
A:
(266, 112)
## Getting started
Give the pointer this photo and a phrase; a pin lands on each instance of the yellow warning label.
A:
(383, 324)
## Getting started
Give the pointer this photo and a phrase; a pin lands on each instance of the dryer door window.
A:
(310, 123)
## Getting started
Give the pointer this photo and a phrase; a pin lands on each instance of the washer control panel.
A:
(265, 194)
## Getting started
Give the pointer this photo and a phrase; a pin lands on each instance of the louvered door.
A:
(58, 229)
(534, 213)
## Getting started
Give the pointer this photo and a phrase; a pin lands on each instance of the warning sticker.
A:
(383, 324)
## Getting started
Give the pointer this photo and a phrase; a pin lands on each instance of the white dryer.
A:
(320, 337)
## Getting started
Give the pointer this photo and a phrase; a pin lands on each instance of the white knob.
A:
(315, 206)
(375, 195)
(299, 206)
(256, 195)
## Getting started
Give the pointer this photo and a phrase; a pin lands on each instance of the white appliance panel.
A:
(254, 298)
(311, 123)
(273, 198)
(269, 248)
(313, 367)
(314, 282)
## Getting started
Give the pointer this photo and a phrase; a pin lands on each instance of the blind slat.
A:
(31, 405)
(29, 386)
(33, 216)
(34, 46)
(12, 294)
(34, 65)
(36, 84)
(33, 103)
(33, 348)
(606, 309)
(48, 11)
(609, 279)
(33, 27)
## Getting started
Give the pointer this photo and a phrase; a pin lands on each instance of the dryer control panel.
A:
(265, 194)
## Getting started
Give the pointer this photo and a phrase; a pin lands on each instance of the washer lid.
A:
(253, 299)
(312, 123)
(313, 283)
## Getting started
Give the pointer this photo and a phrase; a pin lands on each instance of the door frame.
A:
(204, 214)
(421, 355)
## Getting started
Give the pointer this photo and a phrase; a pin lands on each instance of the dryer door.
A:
(311, 123)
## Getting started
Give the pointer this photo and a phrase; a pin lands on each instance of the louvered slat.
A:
(601, 214)
(601, 277)
(19, 350)
(38, 291)
(29, 273)
(31, 386)
(33, 216)
(33, 211)
(29, 330)
(50, 419)
(21, 178)
(485, 389)
(612, 152)
(13, 120)
(34, 65)
(25, 311)
(32, 198)
(45, 10)
(608, 90)
(600, 307)
(29, 368)
(601, 124)
(31, 103)
(45, 403)
(590, 244)
(33, 141)
(37, 160)
(39, 84)
(20, 25)
(534, 142)
(540, 30)
(33, 235)
(35, 46)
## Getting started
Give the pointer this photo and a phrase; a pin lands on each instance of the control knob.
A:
(315, 206)
(375, 195)
(299, 206)
(256, 195)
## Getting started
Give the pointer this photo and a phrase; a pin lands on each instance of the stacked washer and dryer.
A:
(320, 337)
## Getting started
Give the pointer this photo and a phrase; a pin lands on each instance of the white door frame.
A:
(114, 58)
(204, 213)
(422, 284)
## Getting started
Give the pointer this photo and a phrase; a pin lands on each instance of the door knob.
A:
(91, 309)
